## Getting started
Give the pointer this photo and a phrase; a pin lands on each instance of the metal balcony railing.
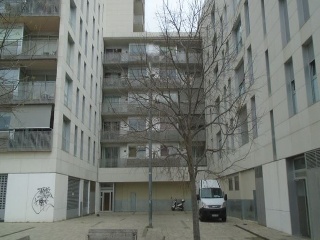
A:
(26, 140)
(30, 7)
(40, 47)
(177, 161)
(123, 108)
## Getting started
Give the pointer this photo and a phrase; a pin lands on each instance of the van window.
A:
(211, 193)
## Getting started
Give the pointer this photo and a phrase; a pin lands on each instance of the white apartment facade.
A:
(130, 55)
(276, 52)
(50, 141)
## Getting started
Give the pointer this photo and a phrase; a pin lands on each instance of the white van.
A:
(211, 200)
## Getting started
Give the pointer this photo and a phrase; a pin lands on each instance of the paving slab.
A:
(166, 226)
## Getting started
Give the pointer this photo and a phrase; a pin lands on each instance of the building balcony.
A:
(30, 7)
(123, 109)
(44, 47)
(26, 140)
(168, 135)
(144, 162)
(29, 93)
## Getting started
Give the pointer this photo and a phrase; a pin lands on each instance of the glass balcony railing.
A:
(143, 162)
(30, 92)
(39, 47)
(30, 7)
(26, 140)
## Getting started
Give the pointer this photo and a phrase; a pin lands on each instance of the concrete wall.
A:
(162, 195)
(277, 196)
(30, 197)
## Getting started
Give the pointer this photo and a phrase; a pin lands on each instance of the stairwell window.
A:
(284, 22)
(291, 88)
(238, 37)
(65, 134)
(243, 121)
(68, 92)
(303, 11)
(311, 73)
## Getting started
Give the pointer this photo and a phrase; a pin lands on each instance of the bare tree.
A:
(182, 82)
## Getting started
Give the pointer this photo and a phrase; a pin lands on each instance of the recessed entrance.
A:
(106, 201)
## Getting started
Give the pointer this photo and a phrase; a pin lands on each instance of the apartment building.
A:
(275, 57)
(51, 72)
(139, 82)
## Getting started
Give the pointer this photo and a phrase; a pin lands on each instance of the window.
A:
(263, 14)
(68, 92)
(111, 126)
(89, 148)
(81, 145)
(4, 121)
(79, 65)
(80, 32)
(83, 108)
(77, 102)
(247, 17)
(137, 49)
(65, 134)
(266, 54)
(168, 150)
(231, 132)
(310, 73)
(87, 12)
(137, 124)
(291, 88)
(254, 117)
(95, 123)
(86, 44)
(243, 123)
(70, 51)
(238, 37)
(240, 79)
(94, 153)
(219, 144)
(91, 83)
(284, 22)
(236, 183)
(73, 15)
(217, 109)
(90, 113)
(303, 11)
(96, 95)
(75, 146)
(224, 98)
(230, 181)
(93, 27)
(250, 65)
(84, 75)
(92, 56)
(213, 19)
(137, 152)
(273, 136)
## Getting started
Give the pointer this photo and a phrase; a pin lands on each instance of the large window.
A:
(137, 124)
(137, 49)
(137, 152)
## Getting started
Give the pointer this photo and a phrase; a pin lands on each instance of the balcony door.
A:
(112, 156)
(106, 201)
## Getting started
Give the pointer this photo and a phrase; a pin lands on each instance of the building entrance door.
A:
(106, 201)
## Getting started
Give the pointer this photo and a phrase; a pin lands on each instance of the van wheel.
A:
(224, 219)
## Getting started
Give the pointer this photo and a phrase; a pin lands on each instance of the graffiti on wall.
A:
(42, 200)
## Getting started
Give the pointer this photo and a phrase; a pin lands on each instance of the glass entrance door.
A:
(106, 201)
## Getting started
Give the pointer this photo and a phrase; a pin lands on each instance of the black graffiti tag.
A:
(42, 200)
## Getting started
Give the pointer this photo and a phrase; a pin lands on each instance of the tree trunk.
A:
(194, 205)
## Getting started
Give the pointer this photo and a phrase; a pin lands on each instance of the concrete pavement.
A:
(166, 226)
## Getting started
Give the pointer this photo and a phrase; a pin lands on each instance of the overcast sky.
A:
(150, 11)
